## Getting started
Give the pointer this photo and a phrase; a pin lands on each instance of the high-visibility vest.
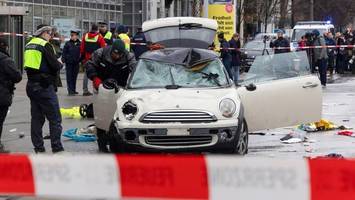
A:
(108, 38)
(91, 44)
(127, 41)
(33, 53)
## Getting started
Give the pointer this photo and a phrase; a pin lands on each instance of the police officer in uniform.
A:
(139, 48)
(106, 34)
(111, 62)
(42, 67)
(123, 35)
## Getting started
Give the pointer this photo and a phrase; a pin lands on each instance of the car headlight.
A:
(129, 109)
(227, 107)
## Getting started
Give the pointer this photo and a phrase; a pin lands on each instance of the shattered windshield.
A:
(278, 66)
(154, 74)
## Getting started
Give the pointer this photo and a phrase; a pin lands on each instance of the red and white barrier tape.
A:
(176, 177)
(236, 49)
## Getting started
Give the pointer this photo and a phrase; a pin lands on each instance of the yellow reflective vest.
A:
(127, 41)
(33, 53)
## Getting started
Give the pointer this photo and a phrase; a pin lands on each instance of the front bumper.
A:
(195, 139)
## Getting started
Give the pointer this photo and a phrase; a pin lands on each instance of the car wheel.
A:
(242, 145)
(116, 146)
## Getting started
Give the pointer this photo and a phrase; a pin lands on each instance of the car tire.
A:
(115, 143)
(243, 140)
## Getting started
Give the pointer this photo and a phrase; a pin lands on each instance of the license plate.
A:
(178, 132)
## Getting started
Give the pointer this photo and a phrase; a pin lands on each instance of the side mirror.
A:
(251, 87)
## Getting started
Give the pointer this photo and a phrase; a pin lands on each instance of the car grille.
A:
(169, 141)
(182, 116)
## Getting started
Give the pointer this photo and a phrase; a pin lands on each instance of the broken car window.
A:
(153, 74)
(278, 66)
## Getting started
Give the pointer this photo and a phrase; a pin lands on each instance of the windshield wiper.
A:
(172, 87)
(211, 76)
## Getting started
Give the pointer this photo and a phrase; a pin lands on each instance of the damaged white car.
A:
(180, 98)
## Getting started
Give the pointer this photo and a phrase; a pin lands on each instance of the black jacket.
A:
(139, 49)
(102, 66)
(225, 53)
(9, 75)
(235, 53)
(280, 42)
(71, 52)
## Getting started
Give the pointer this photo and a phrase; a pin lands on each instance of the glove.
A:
(96, 82)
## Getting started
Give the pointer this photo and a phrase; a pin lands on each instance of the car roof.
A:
(188, 57)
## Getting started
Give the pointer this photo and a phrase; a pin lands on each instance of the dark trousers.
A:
(72, 71)
(3, 113)
(228, 65)
(44, 104)
(322, 68)
(340, 63)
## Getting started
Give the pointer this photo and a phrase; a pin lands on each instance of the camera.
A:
(266, 38)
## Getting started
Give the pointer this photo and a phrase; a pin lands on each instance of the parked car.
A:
(181, 99)
(254, 48)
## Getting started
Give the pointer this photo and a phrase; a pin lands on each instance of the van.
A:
(301, 28)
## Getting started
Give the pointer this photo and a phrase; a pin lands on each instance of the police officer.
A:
(71, 58)
(122, 32)
(9, 75)
(111, 62)
(139, 48)
(42, 68)
(106, 34)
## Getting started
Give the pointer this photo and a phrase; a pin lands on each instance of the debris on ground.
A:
(78, 112)
(296, 136)
(331, 155)
(21, 135)
(292, 141)
(262, 134)
(13, 130)
(81, 135)
(47, 137)
(71, 113)
(346, 133)
(343, 127)
(309, 149)
(322, 125)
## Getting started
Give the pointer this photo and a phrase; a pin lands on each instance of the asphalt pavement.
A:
(338, 106)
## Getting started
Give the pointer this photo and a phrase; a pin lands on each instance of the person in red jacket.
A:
(91, 41)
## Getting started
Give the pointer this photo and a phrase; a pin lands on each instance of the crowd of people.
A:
(333, 59)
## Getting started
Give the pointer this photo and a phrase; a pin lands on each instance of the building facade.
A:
(67, 14)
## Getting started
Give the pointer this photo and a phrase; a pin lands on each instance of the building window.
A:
(55, 2)
(79, 4)
(63, 2)
(37, 10)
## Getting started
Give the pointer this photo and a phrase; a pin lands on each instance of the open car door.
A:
(286, 93)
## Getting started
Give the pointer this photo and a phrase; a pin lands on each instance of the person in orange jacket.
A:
(91, 41)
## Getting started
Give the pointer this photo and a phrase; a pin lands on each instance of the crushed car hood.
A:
(188, 57)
